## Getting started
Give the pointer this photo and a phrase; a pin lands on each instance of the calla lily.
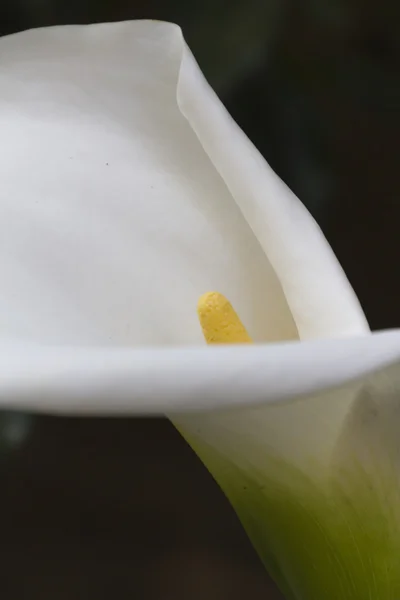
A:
(127, 192)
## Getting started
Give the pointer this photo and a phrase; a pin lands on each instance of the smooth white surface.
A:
(155, 381)
(113, 219)
(127, 192)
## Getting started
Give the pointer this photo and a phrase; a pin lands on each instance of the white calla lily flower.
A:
(127, 192)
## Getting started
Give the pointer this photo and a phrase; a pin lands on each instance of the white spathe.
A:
(127, 191)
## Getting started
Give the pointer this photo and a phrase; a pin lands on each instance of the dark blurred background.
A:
(118, 509)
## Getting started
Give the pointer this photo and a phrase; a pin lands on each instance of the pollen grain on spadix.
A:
(219, 321)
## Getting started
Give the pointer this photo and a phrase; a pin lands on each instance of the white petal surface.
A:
(179, 380)
(120, 205)
(321, 300)
(109, 200)
(113, 218)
